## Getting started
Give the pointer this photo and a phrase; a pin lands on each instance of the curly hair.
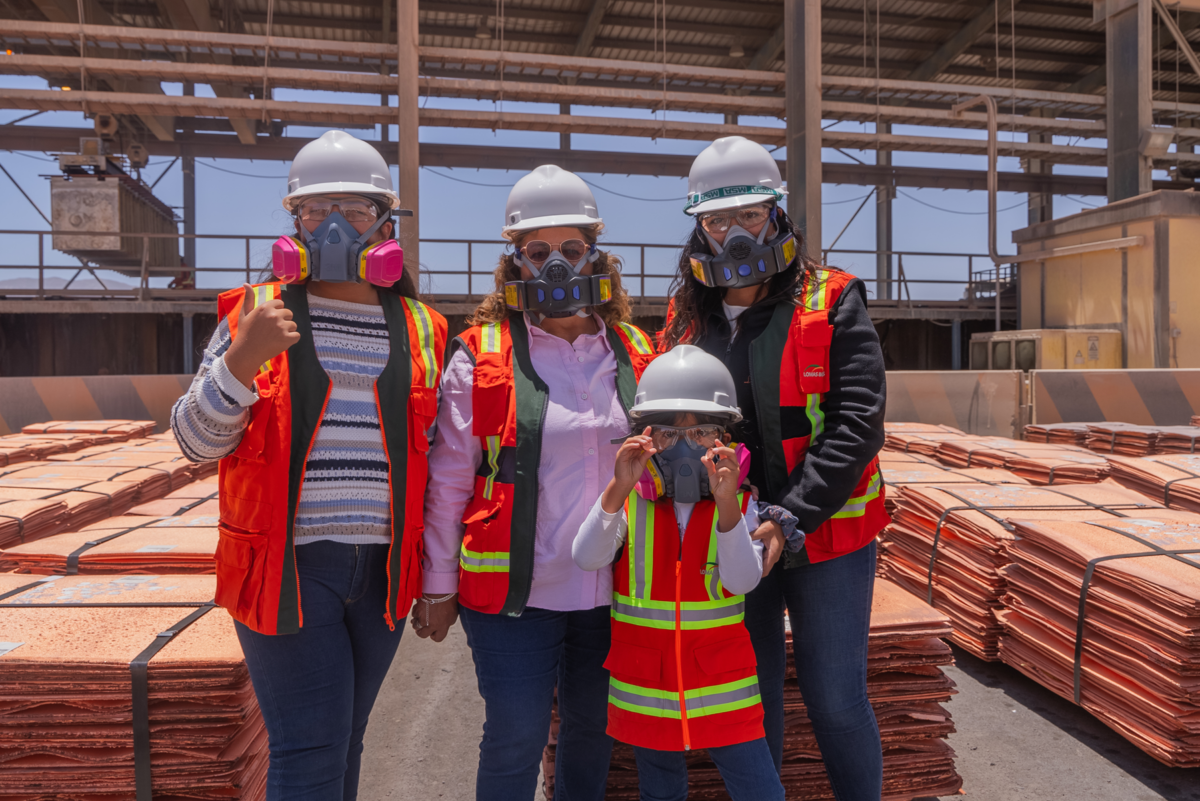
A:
(693, 302)
(618, 309)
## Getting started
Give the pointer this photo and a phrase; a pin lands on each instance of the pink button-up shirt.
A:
(584, 413)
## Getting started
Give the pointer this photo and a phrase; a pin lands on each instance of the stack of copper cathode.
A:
(1133, 657)
(1040, 463)
(1172, 479)
(130, 544)
(1058, 433)
(907, 688)
(947, 543)
(99, 703)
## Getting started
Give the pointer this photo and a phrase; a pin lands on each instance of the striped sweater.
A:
(344, 496)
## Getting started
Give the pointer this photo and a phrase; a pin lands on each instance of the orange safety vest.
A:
(789, 364)
(261, 481)
(509, 407)
(681, 662)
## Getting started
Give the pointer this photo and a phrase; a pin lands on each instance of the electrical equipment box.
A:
(1046, 349)
(108, 208)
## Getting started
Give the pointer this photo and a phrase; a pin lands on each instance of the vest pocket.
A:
(726, 656)
(423, 410)
(240, 558)
(636, 663)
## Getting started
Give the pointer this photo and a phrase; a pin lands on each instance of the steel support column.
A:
(1040, 204)
(883, 225)
(189, 343)
(1129, 26)
(564, 138)
(802, 55)
(187, 164)
(408, 129)
(956, 344)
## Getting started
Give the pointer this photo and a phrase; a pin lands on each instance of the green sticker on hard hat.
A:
(732, 191)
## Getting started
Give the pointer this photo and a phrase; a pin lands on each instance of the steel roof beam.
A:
(591, 27)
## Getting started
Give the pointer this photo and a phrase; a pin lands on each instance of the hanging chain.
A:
(267, 57)
(82, 59)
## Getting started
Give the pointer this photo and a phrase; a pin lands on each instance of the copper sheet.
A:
(1141, 647)
(1058, 433)
(197, 499)
(966, 582)
(65, 727)
(117, 429)
(1040, 463)
(168, 545)
(906, 687)
(1173, 478)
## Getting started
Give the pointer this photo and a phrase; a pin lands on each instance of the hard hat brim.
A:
(735, 202)
(552, 221)
(340, 187)
(684, 405)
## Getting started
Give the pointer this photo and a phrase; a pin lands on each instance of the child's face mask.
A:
(678, 473)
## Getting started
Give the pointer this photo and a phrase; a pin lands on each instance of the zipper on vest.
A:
(387, 601)
(687, 738)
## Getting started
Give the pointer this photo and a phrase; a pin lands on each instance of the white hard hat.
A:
(337, 162)
(549, 197)
(732, 172)
(686, 379)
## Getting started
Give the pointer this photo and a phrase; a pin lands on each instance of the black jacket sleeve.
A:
(854, 408)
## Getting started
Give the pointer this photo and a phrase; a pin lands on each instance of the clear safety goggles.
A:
(701, 436)
(354, 209)
(537, 251)
(718, 222)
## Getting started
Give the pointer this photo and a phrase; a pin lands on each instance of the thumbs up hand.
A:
(263, 333)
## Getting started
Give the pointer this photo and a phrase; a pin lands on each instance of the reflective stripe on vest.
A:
(263, 293)
(857, 507)
(640, 542)
(639, 340)
(814, 300)
(426, 341)
(694, 615)
(490, 343)
(701, 701)
(483, 562)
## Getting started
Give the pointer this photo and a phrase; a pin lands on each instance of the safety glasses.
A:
(702, 436)
(538, 251)
(718, 222)
(354, 209)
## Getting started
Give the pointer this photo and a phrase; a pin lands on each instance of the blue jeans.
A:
(316, 687)
(829, 604)
(518, 662)
(746, 768)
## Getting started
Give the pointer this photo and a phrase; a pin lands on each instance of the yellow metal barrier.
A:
(988, 402)
(1142, 397)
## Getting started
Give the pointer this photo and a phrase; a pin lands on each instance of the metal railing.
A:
(452, 270)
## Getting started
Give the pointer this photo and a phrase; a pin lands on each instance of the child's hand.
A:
(632, 457)
(723, 472)
(635, 452)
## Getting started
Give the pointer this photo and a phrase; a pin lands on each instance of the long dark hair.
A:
(694, 302)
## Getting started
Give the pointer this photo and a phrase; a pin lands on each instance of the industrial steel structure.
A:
(1110, 83)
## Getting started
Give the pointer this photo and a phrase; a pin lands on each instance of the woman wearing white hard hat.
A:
(534, 394)
(315, 393)
(805, 357)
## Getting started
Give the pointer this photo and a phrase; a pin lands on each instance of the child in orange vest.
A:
(676, 521)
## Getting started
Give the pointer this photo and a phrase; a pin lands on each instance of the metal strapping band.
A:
(20, 523)
(1157, 550)
(27, 588)
(1167, 486)
(73, 557)
(184, 509)
(139, 671)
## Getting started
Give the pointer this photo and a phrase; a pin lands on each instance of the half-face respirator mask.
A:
(336, 252)
(744, 259)
(557, 288)
(677, 472)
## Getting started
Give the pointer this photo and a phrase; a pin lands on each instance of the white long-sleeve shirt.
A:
(739, 558)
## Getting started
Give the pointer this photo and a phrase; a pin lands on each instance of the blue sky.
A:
(243, 197)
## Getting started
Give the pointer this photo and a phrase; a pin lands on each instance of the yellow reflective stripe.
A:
(816, 416)
(261, 295)
(493, 457)
(857, 507)
(483, 561)
(816, 291)
(489, 340)
(425, 340)
(640, 342)
(701, 701)
(640, 542)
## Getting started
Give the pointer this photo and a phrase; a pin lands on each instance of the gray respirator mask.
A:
(684, 476)
(557, 289)
(744, 259)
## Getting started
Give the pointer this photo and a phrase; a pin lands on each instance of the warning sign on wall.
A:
(1093, 349)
